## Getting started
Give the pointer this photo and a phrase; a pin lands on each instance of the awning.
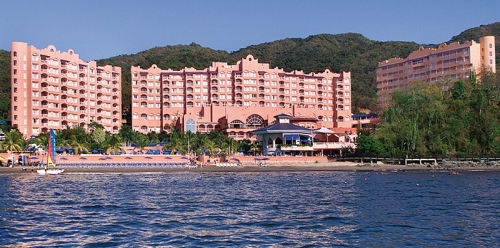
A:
(291, 136)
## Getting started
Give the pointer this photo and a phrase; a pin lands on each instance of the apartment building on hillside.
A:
(430, 65)
(237, 98)
(53, 89)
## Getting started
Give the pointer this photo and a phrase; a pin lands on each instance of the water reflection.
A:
(242, 209)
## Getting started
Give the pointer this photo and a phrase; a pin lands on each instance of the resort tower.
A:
(431, 65)
(54, 89)
(237, 98)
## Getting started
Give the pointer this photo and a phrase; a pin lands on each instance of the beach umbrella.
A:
(168, 158)
(102, 158)
(128, 158)
(63, 158)
(83, 158)
(148, 157)
(108, 157)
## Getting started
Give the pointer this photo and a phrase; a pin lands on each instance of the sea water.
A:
(420, 209)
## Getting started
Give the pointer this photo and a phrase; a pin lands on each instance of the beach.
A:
(321, 166)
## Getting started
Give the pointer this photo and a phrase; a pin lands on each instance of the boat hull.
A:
(50, 172)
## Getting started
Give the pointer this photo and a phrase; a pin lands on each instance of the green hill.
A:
(340, 52)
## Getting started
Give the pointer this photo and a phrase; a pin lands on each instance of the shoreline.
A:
(285, 167)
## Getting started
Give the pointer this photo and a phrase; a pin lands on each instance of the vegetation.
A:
(424, 120)
(100, 141)
(5, 84)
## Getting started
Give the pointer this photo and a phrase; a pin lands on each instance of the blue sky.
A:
(101, 29)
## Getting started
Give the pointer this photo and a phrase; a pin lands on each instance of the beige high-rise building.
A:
(53, 89)
(430, 65)
(238, 98)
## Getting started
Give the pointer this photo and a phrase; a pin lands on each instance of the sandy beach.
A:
(322, 166)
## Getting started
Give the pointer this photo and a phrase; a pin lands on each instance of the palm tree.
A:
(114, 144)
(176, 142)
(142, 142)
(254, 148)
(79, 144)
(13, 142)
(42, 141)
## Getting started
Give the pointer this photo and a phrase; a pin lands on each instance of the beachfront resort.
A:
(292, 113)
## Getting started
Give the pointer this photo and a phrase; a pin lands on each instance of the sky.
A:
(97, 29)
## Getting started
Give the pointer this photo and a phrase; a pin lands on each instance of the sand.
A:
(322, 166)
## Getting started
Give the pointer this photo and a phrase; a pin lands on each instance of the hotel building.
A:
(238, 98)
(54, 89)
(430, 65)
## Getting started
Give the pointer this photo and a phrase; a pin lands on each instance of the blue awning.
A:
(291, 136)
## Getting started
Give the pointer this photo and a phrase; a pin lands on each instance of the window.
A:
(15, 61)
(15, 71)
(491, 46)
(190, 126)
(15, 53)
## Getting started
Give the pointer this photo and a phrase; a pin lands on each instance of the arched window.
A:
(255, 120)
(190, 126)
(236, 124)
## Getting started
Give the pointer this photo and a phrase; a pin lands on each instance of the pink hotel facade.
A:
(54, 89)
(238, 98)
(431, 65)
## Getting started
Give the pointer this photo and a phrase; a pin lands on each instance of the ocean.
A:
(254, 209)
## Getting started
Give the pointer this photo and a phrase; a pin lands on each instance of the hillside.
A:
(340, 52)
(483, 30)
(5, 84)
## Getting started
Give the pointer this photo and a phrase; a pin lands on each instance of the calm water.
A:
(251, 209)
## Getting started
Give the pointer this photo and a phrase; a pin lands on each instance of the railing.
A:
(332, 145)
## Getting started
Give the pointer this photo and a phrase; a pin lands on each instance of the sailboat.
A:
(51, 157)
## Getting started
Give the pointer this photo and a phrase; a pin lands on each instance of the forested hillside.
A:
(340, 52)
(4, 84)
(483, 30)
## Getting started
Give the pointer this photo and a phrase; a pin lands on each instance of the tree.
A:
(113, 144)
(14, 141)
(98, 136)
(142, 141)
(369, 146)
(254, 148)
